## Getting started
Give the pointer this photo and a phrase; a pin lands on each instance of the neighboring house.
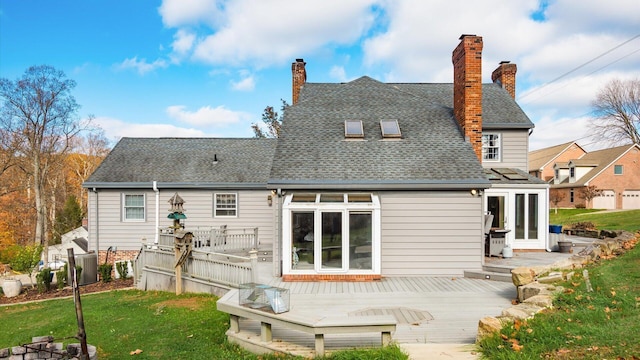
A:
(542, 161)
(77, 239)
(615, 172)
(367, 179)
(222, 182)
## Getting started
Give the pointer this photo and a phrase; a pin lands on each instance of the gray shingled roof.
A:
(499, 111)
(185, 162)
(312, 151)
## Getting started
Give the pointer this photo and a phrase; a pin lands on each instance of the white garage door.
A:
(631, 199)
(605, 201)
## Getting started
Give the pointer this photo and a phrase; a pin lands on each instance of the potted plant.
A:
(11, 287)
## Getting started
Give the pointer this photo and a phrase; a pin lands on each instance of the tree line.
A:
(46, 152)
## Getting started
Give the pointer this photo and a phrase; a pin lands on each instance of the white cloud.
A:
(338, 73)
(183, 41)
(190, 12)
(116, 129)
(206, 116)
(246, 83)
(141, 66)
(268, 32)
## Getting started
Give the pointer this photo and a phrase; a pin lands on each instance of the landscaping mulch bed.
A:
(32, 294)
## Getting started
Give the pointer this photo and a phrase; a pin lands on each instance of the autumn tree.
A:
(556, 196)
(68, 219)
(89, 151)
(588, 193)
(617, 112)
(39, 114)
(272, 121)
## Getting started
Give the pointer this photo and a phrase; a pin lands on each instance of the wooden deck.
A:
(428, 309)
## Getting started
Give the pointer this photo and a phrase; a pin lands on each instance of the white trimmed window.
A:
(491, 147)
(225, 205)
(133, 207)
(334, 233)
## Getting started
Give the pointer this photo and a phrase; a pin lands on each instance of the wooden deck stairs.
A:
(491, 272)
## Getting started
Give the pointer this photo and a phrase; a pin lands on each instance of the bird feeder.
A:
(176, 213)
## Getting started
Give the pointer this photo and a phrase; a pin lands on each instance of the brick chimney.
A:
(299, 75)
(505, 76)
(467, 89)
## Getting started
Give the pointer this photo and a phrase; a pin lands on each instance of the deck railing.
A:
(224, 269)
(216, 240)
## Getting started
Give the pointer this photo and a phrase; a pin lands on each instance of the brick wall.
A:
(299, 76)
(505, 75)
(629, 180)
(467, 89)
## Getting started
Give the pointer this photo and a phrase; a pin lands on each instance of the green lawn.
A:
(161, 324)
(602, 324)
(604, 220)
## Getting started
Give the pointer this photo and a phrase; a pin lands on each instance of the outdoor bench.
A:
(318, 326)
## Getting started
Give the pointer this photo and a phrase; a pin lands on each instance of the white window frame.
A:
(621, 167)
(216, 209)
(486, 146)
(317, 207)
(124, 207)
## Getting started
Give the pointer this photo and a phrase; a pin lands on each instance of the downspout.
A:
(157, 191)
(95, 191)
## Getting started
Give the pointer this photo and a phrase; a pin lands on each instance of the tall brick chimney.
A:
(467, 89)
(299, 75)
(505, 76)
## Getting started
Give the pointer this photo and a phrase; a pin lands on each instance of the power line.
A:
(579, 67)
(567, 84)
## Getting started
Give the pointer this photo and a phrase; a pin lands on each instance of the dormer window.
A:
(572, 172)
(390, 129)
(353, 129)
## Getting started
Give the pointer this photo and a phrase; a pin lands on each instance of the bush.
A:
(24, 258)
(43, 280)
(580, 206)
(123, 269)
(61, 277)
(105, 272)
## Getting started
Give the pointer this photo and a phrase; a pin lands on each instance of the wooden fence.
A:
(221, 269)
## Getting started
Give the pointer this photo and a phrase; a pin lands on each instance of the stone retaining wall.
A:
(535, 284)
(44, 347)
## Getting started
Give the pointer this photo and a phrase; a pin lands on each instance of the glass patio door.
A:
(331, 244)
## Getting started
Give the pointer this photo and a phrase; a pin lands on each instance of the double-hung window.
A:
(225, 205)
(491, 147)
(133, 207)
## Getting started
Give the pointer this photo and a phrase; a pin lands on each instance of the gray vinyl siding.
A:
(109, 229)
(430, 233)
(514, 151)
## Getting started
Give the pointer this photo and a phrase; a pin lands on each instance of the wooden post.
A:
(178, 271)
(82, 335)
(253, 256)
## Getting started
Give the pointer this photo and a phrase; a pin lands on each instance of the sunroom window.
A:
(333, 233)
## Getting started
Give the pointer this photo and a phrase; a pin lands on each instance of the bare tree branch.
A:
(617, 113)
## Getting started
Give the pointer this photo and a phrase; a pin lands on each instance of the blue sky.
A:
(208, 68)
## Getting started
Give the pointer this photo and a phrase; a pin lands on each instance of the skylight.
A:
(390, 129)
(353, 129)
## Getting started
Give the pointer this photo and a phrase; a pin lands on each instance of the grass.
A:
(603, 324)
(616, 220)
(161, 324)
